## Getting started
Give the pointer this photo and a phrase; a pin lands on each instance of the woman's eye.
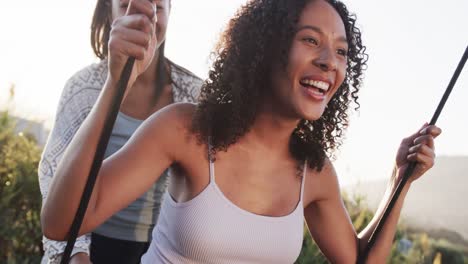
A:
(342, 52)
(311, 41)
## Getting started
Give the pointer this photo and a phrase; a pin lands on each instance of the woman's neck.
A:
(270, 131)
(149, 77)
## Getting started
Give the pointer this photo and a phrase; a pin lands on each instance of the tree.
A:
(20, 203)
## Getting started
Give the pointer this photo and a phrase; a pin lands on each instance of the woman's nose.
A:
(326, 60)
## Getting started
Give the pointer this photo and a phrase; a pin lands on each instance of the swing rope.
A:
(410, 169)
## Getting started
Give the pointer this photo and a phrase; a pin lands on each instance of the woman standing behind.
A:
(250, 161)
(125, 236)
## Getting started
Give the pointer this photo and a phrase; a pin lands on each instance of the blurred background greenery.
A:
(20, 199)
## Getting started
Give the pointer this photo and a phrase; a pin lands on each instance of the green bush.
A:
(428, 251)
(20, 203)
(360, 216)
(424, 249)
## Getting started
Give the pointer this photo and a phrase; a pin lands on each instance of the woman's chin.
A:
(313, 114)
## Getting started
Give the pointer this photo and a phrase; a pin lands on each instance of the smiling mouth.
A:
(315, 86)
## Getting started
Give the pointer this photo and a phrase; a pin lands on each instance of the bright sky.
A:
(414, 47)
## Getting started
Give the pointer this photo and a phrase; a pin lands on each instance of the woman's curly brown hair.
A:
(259, 36)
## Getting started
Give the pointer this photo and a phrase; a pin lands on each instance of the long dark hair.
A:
(100, 32)
(240, 76)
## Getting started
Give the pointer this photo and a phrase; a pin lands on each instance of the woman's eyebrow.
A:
(318, 30)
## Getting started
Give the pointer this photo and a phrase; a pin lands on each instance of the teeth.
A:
(319, 84)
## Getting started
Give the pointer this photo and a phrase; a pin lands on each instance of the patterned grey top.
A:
(78, 97)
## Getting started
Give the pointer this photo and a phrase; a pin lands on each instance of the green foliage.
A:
(428, 251)
(360, 217)
(310, 253)
(424, 249)
(20, 233)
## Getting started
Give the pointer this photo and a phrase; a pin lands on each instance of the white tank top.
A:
(211, 229)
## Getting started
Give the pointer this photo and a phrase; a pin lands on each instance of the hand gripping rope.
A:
(410, 169)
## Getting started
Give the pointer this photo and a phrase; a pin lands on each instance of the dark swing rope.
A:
(102, 145)
(97, 161)
(410, 169)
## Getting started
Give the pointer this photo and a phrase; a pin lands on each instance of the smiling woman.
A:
(272, 111)
(244, 81)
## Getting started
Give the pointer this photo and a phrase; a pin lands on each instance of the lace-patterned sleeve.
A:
(187, 85)
(79, 95)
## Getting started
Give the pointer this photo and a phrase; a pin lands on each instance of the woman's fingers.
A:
(434, 131)
(127, 48)
(136, 21)
(144, 7)
(424, 130)
(135, 30)
(129, 42)
(426, 140)
(419, 148)
(427, 136)
(140, 16)
(133, 36)
(423, 155)
(422, 149)
(424, 162)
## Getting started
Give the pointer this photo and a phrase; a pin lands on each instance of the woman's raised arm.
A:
(123, 177)
(130, 171)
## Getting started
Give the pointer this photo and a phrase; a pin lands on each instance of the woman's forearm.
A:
(71, 175)
(382, 247)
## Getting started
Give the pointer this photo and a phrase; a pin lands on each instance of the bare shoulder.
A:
(170, 128)
(174, 116)
(321, 185)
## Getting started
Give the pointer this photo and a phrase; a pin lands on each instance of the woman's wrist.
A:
(80, 258)
(397, 177)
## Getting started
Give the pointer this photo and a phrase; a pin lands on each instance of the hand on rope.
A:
(133, 35)
(419, 148)
(132, 46)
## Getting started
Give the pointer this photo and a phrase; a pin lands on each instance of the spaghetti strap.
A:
(212, 177)
(211, 163)
(304, 173)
